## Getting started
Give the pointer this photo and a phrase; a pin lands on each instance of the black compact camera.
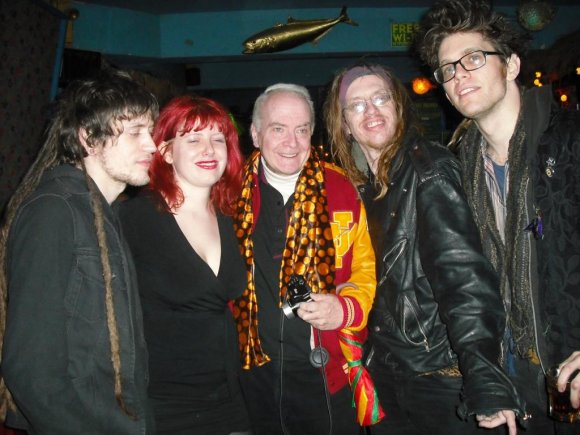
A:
(298, 292)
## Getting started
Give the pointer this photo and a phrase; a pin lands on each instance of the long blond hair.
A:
(341, 142)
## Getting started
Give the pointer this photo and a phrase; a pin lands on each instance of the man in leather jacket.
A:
(520, 157)
(436, 323)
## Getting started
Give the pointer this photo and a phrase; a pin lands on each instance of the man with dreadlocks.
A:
(74, 359)
(301, 221)
(521, 174)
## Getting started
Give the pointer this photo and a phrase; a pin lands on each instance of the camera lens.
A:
(289, 310)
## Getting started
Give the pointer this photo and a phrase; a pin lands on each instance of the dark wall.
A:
(31, 33)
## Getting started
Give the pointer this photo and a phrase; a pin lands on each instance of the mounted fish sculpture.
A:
(294, 33)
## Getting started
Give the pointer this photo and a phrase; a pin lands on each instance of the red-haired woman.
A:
(189, 267)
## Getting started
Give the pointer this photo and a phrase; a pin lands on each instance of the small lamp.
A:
(421, 85)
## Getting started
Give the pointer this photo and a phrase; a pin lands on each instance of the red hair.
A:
(180, 116)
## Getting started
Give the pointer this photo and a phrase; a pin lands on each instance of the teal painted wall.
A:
(166, 45)
(223, 34)
(566, 21)
(116, 31)
(123, 32)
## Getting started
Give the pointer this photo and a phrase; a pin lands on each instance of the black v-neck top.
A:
(189, 329)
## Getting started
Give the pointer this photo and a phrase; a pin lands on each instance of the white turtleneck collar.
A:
(285, 184)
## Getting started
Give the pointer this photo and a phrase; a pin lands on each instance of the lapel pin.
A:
(550, 170)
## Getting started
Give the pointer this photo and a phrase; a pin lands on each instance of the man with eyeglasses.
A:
(437, 314)
(521, 172)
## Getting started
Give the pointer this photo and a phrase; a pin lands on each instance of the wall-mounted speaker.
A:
(78, 64)
(192, 76)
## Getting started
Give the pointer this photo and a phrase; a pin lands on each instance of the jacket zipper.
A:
(425, 343)
(536, 341)
(401, 247)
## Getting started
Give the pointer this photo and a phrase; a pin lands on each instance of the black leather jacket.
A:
(437, 303)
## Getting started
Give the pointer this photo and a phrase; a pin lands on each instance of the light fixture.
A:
(534, 15)
(421, 85)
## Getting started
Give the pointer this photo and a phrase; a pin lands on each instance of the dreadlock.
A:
(95, 105)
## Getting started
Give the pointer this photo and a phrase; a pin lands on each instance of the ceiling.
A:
(180, 6)
(183, 6)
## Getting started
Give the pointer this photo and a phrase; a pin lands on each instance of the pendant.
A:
(536, 226)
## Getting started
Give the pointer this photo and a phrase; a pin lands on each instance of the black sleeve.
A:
(35, 356)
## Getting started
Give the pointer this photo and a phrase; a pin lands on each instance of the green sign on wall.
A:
(402, 34)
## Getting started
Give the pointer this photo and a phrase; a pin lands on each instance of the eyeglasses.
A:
(469, 62)
(378, 100)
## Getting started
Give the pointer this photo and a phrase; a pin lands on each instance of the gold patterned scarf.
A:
(309, 249)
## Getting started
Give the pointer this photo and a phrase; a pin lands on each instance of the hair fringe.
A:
(448, 17)
(190, 113)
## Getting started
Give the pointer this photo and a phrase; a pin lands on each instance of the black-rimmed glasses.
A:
(378, 100)
(469, 62)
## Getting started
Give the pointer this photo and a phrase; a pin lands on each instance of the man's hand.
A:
(502, 417)
(570, 365)
(323, 312)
